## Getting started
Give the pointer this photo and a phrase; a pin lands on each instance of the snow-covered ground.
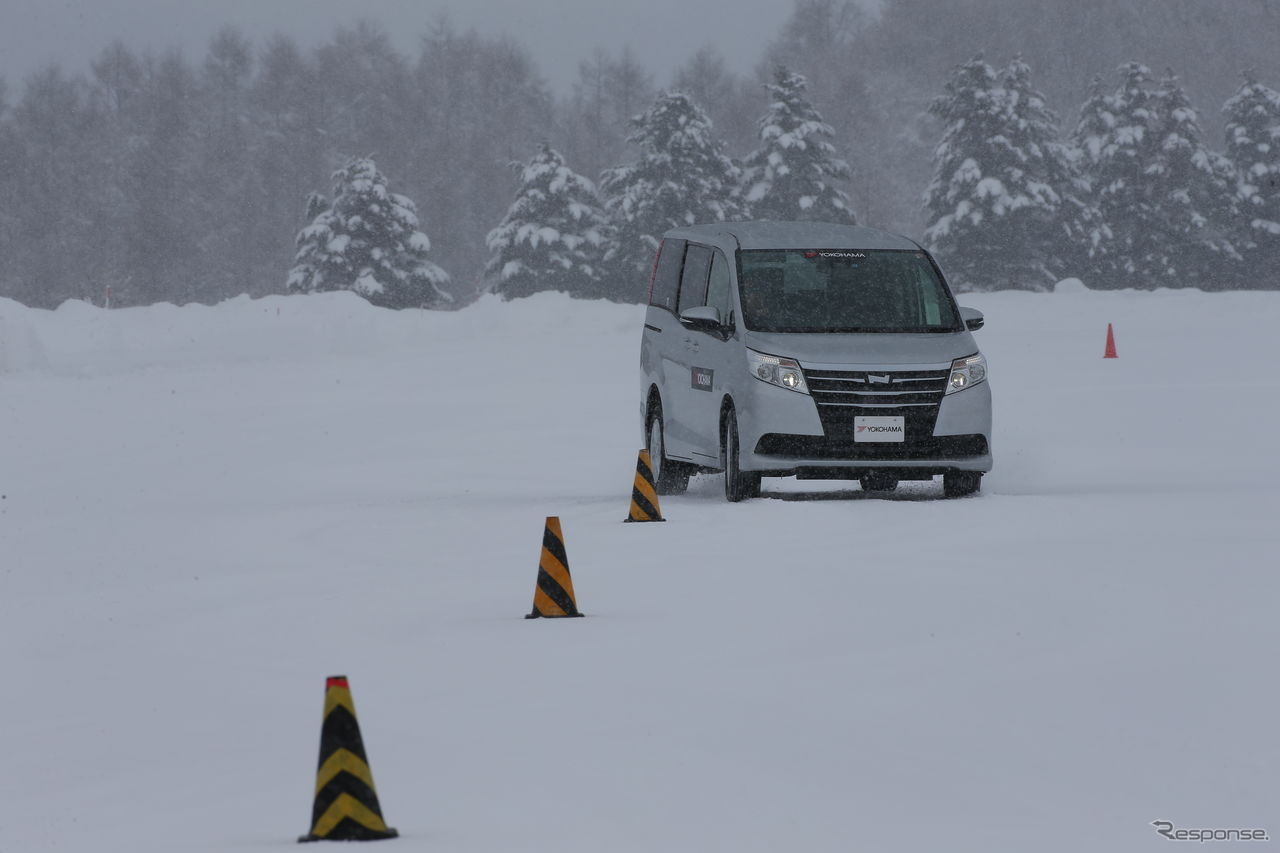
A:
(206, 511)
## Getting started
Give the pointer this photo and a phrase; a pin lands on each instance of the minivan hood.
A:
(832, 351)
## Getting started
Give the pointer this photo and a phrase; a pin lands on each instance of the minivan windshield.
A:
(843, 290)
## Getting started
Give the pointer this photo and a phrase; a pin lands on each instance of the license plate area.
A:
(884, 429)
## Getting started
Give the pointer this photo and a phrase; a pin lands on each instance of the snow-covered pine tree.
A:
(552, 236)
(1164, 197)
(1114, 136)
(1253, 146)
(1003, 206)
(1093, 129)
(1091, 134)
(794, 172)
(368, 241)
(682, 177)
(971, 112)
(1052, 221)
(1198, 190)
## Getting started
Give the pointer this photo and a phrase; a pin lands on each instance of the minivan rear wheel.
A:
(957, 484)
(738, 484)
(669, 478)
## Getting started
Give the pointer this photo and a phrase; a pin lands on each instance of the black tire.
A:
(738, 484)
(877, 482)
(669, 478)
(957, 484)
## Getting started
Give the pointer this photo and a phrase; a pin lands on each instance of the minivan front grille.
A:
(843, 395)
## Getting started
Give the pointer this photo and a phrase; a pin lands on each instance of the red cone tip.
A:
(1110, 351)
(336, 681)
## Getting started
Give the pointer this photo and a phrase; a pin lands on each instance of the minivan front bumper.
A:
(783, 434)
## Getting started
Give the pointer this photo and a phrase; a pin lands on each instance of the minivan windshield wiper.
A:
(819, 291)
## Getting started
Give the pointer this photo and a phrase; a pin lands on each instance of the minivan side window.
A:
(693, 284)
(666, 278)
(718, 295)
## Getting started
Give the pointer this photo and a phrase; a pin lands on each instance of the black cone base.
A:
(349, 830)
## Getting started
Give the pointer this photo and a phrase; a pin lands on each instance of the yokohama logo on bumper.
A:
(882, 429)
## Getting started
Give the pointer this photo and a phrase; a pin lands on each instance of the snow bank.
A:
(84, 339)
(20, 346)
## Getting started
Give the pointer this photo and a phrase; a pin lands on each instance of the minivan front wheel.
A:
(738, 484)
(957, 484)
(669, 478)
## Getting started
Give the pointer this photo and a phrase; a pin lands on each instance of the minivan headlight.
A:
(966, 372)
(783, 372)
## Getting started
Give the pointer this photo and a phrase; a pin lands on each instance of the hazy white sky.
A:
(558, 33)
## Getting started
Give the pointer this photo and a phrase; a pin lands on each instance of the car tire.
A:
(877, 482)
(957, 484)
(669, 478)
(738, 484)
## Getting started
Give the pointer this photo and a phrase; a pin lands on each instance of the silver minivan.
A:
(812, 350)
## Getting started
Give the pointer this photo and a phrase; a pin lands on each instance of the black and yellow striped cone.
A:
(346, 807)
(644, 495)
(553, 595)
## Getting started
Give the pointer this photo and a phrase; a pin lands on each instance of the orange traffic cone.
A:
(553, 596)
(644, 494)
(1110, 351)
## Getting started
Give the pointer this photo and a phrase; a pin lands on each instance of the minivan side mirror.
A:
(704, 318)
(972, 317)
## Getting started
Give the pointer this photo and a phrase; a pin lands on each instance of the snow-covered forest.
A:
(1130, 144)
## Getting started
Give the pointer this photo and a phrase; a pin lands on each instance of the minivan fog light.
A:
(966, 372)
(783, 372)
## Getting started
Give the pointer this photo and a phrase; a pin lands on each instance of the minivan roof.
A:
(768, 234)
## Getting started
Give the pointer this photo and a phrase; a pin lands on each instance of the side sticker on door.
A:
(701, 377)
